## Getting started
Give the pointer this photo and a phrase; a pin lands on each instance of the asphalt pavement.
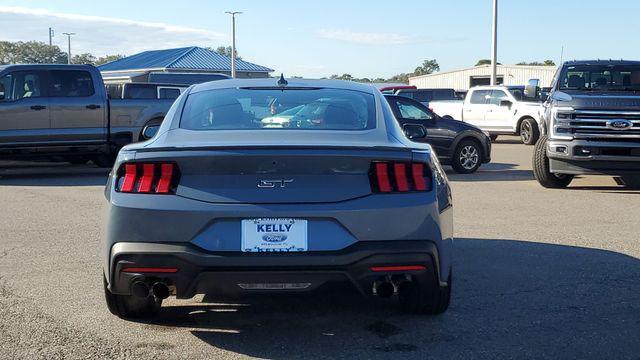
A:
(538, 274)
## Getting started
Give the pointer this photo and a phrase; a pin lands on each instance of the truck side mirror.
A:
(531, 90)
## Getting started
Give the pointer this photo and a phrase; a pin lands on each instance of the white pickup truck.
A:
(499, 110)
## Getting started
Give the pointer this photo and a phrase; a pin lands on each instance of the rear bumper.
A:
(593, 157)
(235, 273)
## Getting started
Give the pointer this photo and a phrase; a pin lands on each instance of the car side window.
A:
(168, 93)
(497, 96)
(479, 97)
(22, 84)
(411, 111)
(74, 83)
(6, 86)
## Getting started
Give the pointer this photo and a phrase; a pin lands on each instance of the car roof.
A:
(291, 83)
(602, 62)
(48, 67)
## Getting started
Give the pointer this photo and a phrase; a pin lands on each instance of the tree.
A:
(485, 62)
(347, 77)
(224, 50)
(107, 59)
(30, 52)
(536, 63)
(85, 58)
(427, 67)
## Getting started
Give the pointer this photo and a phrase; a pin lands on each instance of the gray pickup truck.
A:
(62, 112)
(591, 123)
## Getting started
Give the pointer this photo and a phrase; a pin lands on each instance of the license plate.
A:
(274, 235)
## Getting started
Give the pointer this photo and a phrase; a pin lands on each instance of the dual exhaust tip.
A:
(385, 288)
(141, 289)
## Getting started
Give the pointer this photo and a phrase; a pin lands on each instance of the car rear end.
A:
(214, 207)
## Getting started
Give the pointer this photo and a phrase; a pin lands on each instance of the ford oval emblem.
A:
(274, 238)
(619, 124)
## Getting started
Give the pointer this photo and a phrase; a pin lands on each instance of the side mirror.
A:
(413, 131)
(531, 90)
(506, 103)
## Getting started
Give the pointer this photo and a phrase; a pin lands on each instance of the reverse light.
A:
(148, 178)
(394, 177)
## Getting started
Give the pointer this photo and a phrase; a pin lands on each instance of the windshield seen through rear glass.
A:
(601, 77)
(307, 109)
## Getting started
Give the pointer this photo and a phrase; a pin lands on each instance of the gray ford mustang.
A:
(263, 186)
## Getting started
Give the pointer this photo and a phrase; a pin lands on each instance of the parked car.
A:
(591, 123)
(463, 146)
(63, 112)
(392, 88)
(500, 110)
(144, 91)
(426, 96)
(220, 203)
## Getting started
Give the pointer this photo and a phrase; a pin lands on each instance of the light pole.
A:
(68, 46)
(494, 43)
(233, 41)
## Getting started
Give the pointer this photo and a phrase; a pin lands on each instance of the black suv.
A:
(463, 146)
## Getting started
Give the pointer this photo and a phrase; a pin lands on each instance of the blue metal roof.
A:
(188, 58)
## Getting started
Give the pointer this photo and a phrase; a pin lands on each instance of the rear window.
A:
(305, 109)
(140, 91)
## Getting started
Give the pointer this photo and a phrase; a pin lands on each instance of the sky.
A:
(365, 38)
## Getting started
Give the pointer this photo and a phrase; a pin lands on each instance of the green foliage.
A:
(36, 52)
(427, 67)
(483, 62)
(536, 63)
(30, 52)
(223, 50)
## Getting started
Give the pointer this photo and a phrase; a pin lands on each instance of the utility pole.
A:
(50, 36)
(494, 43)
(233, 41)
(68, 46)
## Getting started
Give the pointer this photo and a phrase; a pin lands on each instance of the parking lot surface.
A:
(538, 273)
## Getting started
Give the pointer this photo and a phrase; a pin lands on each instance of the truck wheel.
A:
(529, 132)
(129, 306)
(467, 157)
(419, 297)
(541, 168)
(632, 182)
(493, 137)
(104, 161)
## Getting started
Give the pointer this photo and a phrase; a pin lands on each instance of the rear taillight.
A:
(148, 178)
(392, 177)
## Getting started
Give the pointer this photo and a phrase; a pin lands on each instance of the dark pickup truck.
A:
(62, 112)
(591, 123)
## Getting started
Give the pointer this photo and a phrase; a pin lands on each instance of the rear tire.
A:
(129, 306)
(426, 297)
(541, 168)
(467, 157)
(631, 181)
(529, 132)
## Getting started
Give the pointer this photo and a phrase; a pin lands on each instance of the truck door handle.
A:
(93, 106)
(38, 107)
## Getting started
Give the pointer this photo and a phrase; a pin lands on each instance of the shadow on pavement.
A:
(512, 299)
(493, 172)
(51, 174)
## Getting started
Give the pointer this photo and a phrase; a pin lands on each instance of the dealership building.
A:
(464, 79)
(179, 65)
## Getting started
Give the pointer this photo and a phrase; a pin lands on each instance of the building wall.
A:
(461, 79)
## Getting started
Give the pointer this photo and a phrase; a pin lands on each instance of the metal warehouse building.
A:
(480, 75)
